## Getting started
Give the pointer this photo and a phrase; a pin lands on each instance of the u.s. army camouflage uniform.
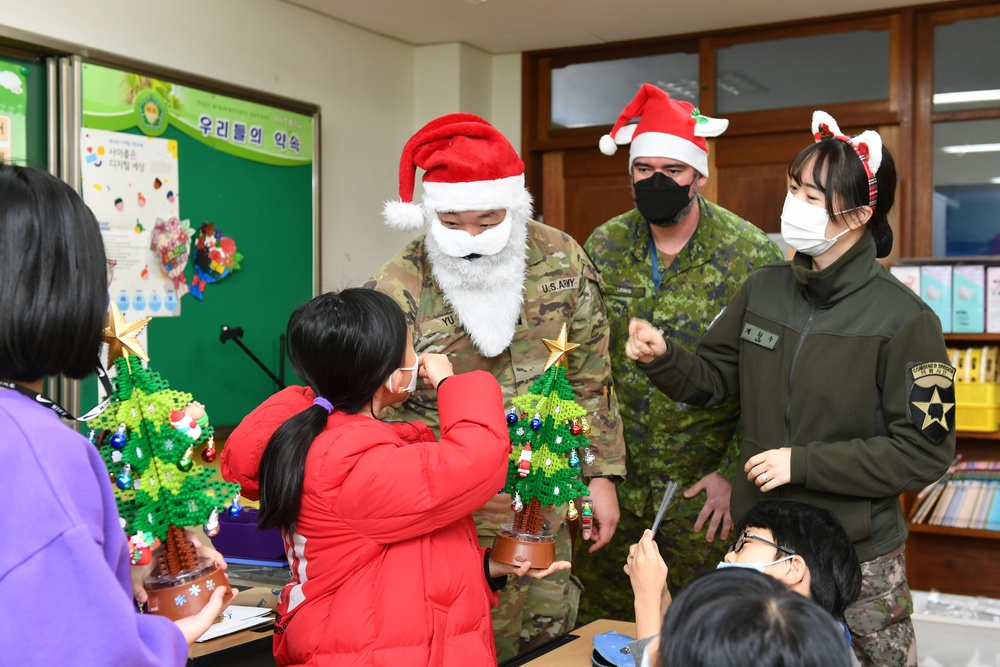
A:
(666, 440)
(561, 286)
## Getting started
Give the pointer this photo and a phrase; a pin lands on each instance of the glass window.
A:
(966, 54)
(588, 94)
(967, 188)
(803, 71)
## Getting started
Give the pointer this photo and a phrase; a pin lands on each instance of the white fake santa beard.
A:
(486, 292)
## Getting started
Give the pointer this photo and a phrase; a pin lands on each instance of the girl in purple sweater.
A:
(65, 588)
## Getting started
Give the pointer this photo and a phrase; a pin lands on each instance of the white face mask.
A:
(459, 243)
(753, 566)
(413, 379)
(803, 226)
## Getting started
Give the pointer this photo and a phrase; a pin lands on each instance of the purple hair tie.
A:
(323, 403)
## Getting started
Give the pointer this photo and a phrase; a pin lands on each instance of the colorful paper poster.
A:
(130, 182)
(116, 100)
(13, 105)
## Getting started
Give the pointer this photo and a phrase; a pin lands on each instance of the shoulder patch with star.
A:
(931, 399)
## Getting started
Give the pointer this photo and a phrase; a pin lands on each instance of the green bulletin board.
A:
(248, 168)
(17, 79)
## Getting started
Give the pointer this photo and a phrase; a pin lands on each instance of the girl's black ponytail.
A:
(344, 345)
(283, 466)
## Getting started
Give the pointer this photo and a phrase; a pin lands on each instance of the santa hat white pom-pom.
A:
(608, 145)
(403, 217)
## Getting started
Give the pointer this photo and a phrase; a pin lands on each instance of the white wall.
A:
(373, 91)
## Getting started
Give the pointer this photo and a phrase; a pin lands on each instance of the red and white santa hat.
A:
(667, 128)
(468, 166)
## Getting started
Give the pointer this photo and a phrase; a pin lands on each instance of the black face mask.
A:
(660, 199)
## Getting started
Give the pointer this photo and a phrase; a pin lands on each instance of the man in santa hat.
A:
(485, 284)
(675, 261)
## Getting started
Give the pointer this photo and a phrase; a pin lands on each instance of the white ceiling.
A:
(511, 26)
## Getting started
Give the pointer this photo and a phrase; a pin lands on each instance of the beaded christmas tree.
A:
(546, 428)
(147, 436)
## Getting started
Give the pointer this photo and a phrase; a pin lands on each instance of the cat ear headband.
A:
(867, 146)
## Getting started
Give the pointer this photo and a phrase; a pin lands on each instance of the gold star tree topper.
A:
(559, 350)
(122, 336)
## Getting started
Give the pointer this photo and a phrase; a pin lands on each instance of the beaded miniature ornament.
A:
(146, 437)
(548, 431)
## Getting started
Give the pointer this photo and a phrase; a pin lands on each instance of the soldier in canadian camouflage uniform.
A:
(484, 285)
(675, 261)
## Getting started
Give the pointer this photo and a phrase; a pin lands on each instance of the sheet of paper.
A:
(237, 618)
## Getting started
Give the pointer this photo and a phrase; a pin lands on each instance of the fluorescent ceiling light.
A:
(995, 179)
(967, 96)
(971, 148)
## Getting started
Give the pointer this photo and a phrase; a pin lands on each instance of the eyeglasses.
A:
(111, 270)
(744, 536)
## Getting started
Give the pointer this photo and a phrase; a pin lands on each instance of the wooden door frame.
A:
(907, 113)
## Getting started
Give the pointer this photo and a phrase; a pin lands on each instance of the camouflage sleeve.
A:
(590, 374)
(730, 458)
(769, 253)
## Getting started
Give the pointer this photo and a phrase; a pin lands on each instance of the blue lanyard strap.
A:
(655, 259)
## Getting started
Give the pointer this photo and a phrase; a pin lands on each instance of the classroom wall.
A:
(373, 91)
(458, 77)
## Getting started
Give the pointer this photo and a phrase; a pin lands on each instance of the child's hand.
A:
(645, 342)
(498, 569)
(434, 368)
(646, 569)
(204, 546)
(195, 626)
(648, 574)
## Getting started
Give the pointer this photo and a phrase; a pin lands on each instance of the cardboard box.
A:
(935, 288)
(993, 299)
(908, 275)
(968, 299)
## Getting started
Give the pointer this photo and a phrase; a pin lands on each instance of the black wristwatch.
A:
(617, 479)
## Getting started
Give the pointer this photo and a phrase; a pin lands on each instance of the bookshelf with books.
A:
(954, 540)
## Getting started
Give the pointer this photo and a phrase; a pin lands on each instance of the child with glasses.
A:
(376, 516)
(800, 545)
(731, 618)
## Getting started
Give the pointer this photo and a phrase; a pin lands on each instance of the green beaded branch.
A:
(551, 479)
(167, 487)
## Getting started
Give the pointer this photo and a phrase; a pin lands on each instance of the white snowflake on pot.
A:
(195, 590)
(210, 585)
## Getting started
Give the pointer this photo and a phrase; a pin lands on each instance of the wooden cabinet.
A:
(963, 561)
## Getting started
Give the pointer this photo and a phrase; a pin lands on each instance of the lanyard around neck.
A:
(58, 409)
(654, 257)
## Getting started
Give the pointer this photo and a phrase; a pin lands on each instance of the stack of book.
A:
(968, 496)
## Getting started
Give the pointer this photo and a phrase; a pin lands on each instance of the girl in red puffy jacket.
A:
(386, 566)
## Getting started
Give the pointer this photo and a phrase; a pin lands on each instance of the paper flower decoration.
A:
(215, 258)
(171, 241)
